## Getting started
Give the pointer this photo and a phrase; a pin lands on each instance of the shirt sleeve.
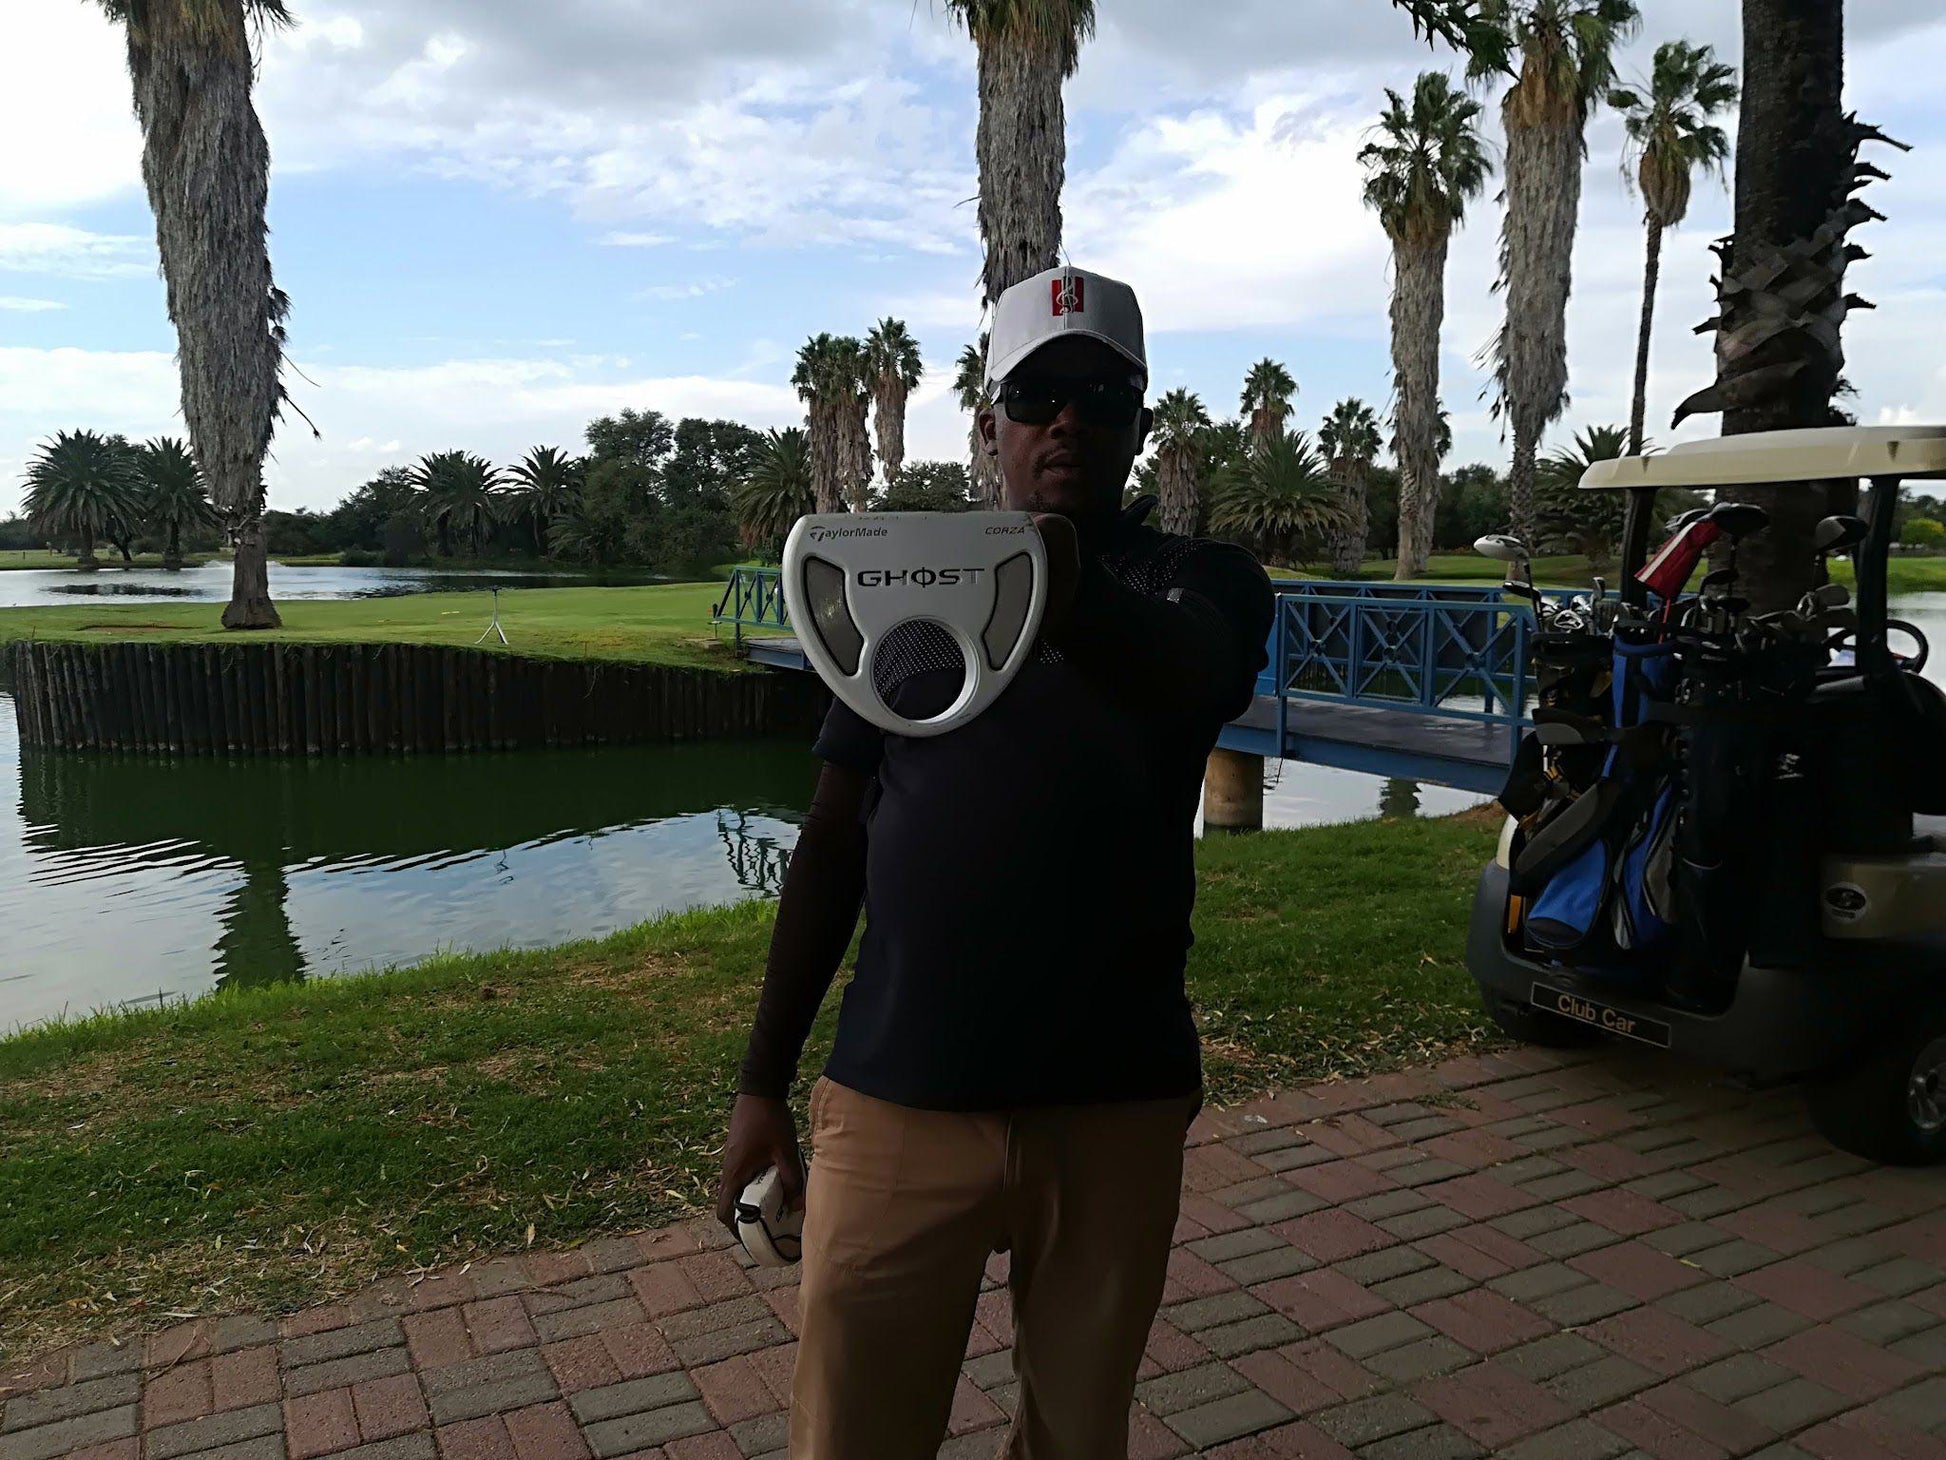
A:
(1196, 649)
(848, 739)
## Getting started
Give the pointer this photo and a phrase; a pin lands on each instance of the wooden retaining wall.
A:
(387, 699)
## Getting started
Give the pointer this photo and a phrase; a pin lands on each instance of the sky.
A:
(494, 226)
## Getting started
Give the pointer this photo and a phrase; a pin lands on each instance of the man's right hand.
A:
(762, 1134)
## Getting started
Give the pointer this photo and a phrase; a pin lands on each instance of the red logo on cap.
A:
(1067, 294)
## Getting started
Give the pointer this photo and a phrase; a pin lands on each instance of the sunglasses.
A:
(1034, 402)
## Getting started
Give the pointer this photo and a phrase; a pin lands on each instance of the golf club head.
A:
(1501, 548)
(1683, 519)
(1830, 595)
(925, 582)
(1737, 520)
(1838, 534)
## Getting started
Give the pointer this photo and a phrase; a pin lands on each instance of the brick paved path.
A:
(1517, 1255)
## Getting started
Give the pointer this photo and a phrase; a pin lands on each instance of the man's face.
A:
(1075, 464)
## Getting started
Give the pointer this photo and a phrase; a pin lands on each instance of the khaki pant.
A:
(905, 1206)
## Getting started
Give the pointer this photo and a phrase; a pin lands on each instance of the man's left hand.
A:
(1063, 551)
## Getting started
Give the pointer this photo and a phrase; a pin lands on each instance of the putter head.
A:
(1830, 595)
(1683, 519)
(974, 580)
(1838, 534)
(1737, 520)
(1501, 548)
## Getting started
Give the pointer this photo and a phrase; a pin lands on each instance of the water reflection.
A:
(124, 876)
(20, 588)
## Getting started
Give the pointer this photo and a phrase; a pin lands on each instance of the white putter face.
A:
(851, 581)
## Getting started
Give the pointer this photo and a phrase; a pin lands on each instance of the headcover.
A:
(852, 583)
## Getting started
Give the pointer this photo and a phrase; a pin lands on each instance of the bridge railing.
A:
(753, 599)
(1455, 650)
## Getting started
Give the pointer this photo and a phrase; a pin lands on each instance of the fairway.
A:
(662, 623)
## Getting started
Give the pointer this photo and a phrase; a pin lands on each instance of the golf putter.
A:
(853, 581)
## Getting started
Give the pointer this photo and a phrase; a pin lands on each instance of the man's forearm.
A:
(816, 915)
(1179, 654)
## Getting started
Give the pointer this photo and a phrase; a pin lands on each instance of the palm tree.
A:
(462, 491)
(207, 169)
(1571, 520)
(1350, 441)
(1027, 49)
(1782, 290)
(174, 499)
(1279, 498)
(79, 485)
(832, 378)
(542, 484)
(1670, 135)
(1180, 421)
(896, 368)
(1424, 164)
(970, 385)
(1566, 52)
(777, 489)
(1267, 393)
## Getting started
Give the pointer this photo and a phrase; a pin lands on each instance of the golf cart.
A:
(1727, 829)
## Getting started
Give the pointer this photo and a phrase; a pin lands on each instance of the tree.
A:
(1471, 504)
(1923, 532)
(893, 357)
(206, 167)
(540, 485)
(639, 438)
(970, 385)
(1670, 134)
(1027, 48)
(615, 496)
(78, 484)
(1468, 26)
(1267, 393)
(776, 490)
(461, 491)
(928, 486)
(1566, 51)
(1180, 424)
(1426, 161)
(1280, 499)
(709, 459)
(1350, 441)
(174, 499)
(1781, 293)
(1570, 520)
(832, 380)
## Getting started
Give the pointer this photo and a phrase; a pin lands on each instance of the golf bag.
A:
(1597, 868)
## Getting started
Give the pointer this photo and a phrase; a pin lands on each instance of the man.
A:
(1015, 1063)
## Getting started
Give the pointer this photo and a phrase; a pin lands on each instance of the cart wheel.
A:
(1537, 1026)
(1891, 1107)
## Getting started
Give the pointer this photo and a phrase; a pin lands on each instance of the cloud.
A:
(634, 240)
(65, 110)
(29, 306)
(62, 250)
(695, 289)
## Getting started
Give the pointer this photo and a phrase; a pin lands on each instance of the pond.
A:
(45, 587)
(123, 880)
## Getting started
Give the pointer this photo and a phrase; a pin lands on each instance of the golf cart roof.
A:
(1780, 456)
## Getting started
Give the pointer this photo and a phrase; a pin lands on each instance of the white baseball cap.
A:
(1062, 302)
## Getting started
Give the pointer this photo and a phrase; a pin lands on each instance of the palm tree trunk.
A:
(1348, 542)
(86, 557)
(172, 552)
(1536, 259)
(1418, 312)
(1023, 151)
(1793, 168)
(207, 170)
(1175, 478)
(827, 474)
(1651, 272)
(888, 417)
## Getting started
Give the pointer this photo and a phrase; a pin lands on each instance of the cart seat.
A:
(1931, 829)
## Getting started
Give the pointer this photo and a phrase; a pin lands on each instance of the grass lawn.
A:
(109, 560)
(275, 1147)
(663, 623)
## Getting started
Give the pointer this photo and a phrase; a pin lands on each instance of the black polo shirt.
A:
(1030, 875)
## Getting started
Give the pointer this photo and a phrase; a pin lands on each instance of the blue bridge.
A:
(1422, 682)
